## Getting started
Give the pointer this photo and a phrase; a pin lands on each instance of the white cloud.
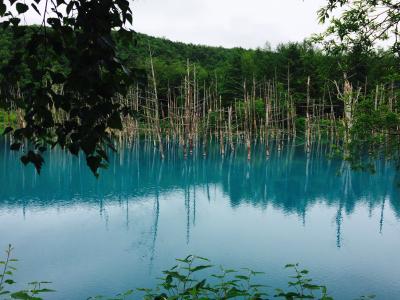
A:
(228, 23)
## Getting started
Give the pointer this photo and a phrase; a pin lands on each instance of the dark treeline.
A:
(289, 66)
(290, 180)
(227, 71)
(188, 93)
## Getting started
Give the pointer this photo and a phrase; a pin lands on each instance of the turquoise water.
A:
(105, 236)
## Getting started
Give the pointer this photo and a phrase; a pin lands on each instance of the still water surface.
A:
(118, 232)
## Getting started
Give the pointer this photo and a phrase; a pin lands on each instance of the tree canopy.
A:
(78, 35)
(357, 25)
(82, 58)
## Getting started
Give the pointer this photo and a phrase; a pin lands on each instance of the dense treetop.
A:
(360, 25)
(77, 34)
(230, 68)
(81, 59)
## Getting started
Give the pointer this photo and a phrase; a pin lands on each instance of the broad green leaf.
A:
(21, 8)
(198, 268)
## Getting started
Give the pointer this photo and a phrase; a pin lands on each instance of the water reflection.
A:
(290, 180)
(144, 211)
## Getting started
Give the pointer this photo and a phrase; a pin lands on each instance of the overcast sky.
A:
(228, 23)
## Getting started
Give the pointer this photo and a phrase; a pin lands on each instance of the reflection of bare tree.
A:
(156, 215)
(127, 214)
(187, 174)
(194, 205)
(290, 180)
(382, 215)
(339, 220)
(308, 162)
(381, 220)
(187, 206)
(103, 212)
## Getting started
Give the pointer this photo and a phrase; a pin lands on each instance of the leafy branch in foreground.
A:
(35, 289)
(83, 84)
(183, 282)
(360, 24)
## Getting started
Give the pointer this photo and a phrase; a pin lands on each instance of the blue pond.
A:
(103, 236)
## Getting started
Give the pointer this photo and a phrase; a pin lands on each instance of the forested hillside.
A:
(289, 65)
(227, 71)
(189, 91)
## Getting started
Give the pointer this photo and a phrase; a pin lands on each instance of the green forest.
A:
(289, 65)
(83, 74)
(186, 92)
(260, 148)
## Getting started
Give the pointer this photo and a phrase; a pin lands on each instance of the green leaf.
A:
(200, 285)
(125, 294)
(9, 281)
(230, 271)
(15, 146)
(58, 78)
(44, 291)
(242, 277)
(35, 8)
(7, 130)
(3, 9)
(198, 268)
(23, 295)
(115, 121)
(34, 158)
(21, 8)
(257, 285)
(94, 163)
(202, 258)
(186, 260)
(4, 293)
(311, 287)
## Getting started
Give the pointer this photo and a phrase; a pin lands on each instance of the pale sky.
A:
(228, 23)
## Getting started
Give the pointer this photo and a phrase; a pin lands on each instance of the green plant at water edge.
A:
(183, 282)
(6, 118)
(35, 289)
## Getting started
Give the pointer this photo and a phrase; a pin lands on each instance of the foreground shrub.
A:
(193, 277)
